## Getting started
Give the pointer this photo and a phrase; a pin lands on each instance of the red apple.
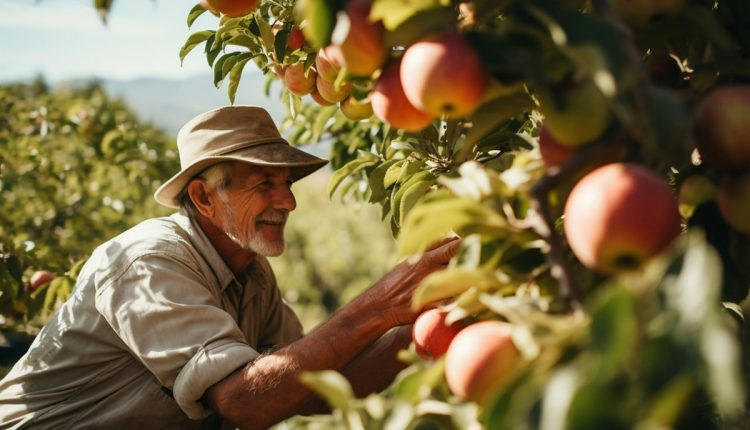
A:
(328, 63)
(38, 279)
(330, 92)
(296, 38)
(721, 127)
(481, 359)
(363, 49)
(355, 109)
(205, 5)
(443, 75)
(389, 103)
(432, 335)
(620, 215)
(553, 153)
(319, 99)
(233, 8)
(297, 81)
(734, 201)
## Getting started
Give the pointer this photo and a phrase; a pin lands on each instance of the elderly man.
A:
(178, 322)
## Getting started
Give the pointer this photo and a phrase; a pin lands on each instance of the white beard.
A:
(252, 243)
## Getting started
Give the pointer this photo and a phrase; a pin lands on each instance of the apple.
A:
(297, 81)
(480, 360)
(618, 216)
(38, 279)
(734, 201)
(694, 191)
(363, 49)
(279, 70)
(721, 127)
(553, 153)
(205, 5)
(443, 75)
(432, 336)
(577, 113)
(296, 38)
(233, 8)
(328, 62)
(389, 103)
(330, 92)
(319, 99)
(640, 13)
(355, 109)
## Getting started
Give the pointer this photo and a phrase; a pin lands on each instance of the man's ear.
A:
(200, 193)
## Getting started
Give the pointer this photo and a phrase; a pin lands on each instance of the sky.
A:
(66, 39)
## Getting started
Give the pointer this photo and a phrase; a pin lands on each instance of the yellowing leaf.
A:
(450, 283)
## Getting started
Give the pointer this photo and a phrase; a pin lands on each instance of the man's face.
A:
(255, 207)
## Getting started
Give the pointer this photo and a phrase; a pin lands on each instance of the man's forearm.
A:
(268, 389)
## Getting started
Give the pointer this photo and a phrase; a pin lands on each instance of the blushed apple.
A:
(443, 75)
(389, 103)
(620, 215)
(481, 360)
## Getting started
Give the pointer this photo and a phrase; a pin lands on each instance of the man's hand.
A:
(392, 293)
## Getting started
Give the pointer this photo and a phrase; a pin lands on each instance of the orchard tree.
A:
(76, 168)
(593, 155)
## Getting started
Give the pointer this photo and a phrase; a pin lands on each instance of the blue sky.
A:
(64, 39)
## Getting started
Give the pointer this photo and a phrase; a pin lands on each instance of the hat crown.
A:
(225, 130)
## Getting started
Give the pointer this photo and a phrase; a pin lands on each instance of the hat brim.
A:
(278, 154)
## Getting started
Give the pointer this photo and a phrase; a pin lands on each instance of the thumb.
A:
(442, 252)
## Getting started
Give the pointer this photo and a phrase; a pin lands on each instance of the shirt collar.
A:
(205, 248)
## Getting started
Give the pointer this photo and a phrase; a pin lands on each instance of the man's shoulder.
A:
(165, 237)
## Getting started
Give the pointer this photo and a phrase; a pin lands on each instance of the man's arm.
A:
(268, 390)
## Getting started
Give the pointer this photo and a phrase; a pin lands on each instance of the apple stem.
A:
(605, 150)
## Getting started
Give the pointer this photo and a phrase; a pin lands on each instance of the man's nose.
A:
(284, 198)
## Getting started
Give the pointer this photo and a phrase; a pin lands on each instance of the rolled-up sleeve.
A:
(162, 310)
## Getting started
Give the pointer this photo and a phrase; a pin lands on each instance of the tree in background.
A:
(77, 167)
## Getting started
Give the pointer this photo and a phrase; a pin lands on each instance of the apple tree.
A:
(76, 168)
(594, 157)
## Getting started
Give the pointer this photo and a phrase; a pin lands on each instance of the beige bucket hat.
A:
(241, 133)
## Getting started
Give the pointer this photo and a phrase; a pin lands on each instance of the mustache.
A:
(273, 216)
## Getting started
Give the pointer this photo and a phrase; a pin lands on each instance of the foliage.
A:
(77, 167)
(622, 84)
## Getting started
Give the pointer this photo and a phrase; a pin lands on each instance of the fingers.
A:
(442, 252)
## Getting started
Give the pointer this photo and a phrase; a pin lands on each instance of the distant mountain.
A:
(169, 103)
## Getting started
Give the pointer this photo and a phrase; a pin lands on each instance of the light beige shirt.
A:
(155, 319)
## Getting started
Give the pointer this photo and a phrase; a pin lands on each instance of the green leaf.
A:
(194, 13)
(450, 283)
(491, 115)
(320, 16)
(408, 182)
(613, 328)
(331, 386)
(393, 173)
(234, 77)
(432, 220)
(393, 13)
(280, 43)
(412, 193)
(376, 180)
(219, 71)
(347, 169)
(193, 41)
